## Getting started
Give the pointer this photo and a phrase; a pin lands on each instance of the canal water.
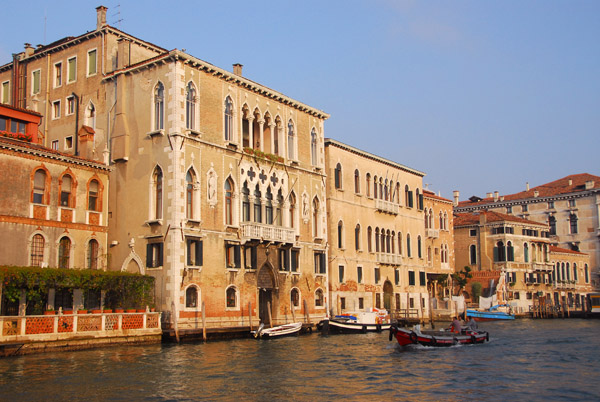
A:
(525, 360)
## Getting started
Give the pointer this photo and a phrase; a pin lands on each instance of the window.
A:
(157, 183)
(290, 140)
(228, 123)
(473, 254)
(56, 109)
(408, 251)
(57, 75)
(419, 253)
(191, 297)
(368, 184)
(92, 254)
(229, 202)
(359, 274)
(356, 181)
(66, 199)
(190, 106)
(320, 263)
(341, 274)
(154, 255)
(343, 303)
(55, 145)
(337, 175)
(361, 303)
(295, 297)
(586, 273)
(422, 279)
(68, 142)
(257, 205)
(6, 92)
(295, 259)
(377, 275)
(72, 69)
(64, 252)
(36, 78)
(552, 225)
(509, 210)
(575, 276)
(279, 209)
(292, 210)
(284, 264)
(313, 147)
(572, 203)
(473, 232)
(397, 277)
(269, 207)
(319, 299)
(232, 255)
(411, 278)
(92, 67)
(251, 257)
(70, 105)
(39, 195)
(315, 222)
(93, 195)
(499, 252)
(245, 203)
(37, 250)
(573, 223)
(194, 252)
(550, 204)
(357, 237)
(525, 252)
(340, 234)
(190, 195)
(159, 106)
(524, 208)
(231, 297)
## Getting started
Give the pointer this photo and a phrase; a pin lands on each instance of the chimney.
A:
(527, 186)
(237, 69)
(496, 195)
(28, 49)
(570, 182)
(589, 184)
(536, 193)
(488, 195)
(456, 194)
(123, 47)
(483, 217)
(100, 17)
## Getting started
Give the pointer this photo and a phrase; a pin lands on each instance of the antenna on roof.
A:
(118, 15)
(45, 20)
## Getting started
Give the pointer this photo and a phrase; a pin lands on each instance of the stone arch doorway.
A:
(388, 293)
(266, 289)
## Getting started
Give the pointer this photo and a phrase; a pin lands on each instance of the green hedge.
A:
(122, 289)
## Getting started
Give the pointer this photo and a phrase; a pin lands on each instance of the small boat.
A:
(437, 338)
(491, 314)
(360, 322)
(281, 330)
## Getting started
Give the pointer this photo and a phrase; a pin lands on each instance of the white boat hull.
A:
(353, 327)
(281, 330)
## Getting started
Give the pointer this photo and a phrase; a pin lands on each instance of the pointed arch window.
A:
(159, 106)
(157, 193)
(290, 141)
(368, 184)
(375, 187)
(376, 240)
(399, 243)
(499, 252)
(92, 254)
(356, 181)
(419, 252)
(64, 252)
(245, 203)
(340, 234)
(229, 201)
(94, 195)
(408, 251)
(357, 237)
(190, 106)
(37, 250)
(228, 124)
(269, 207)
(257, 205)
(316, 207)
(279, 209)
(292, 210)
(66, 193)
(191, 297)
(40, 193)
(190, 201)
(369, 239)
(338, 176)
(231, 297)
(313, 147)
(573, 223)
(473, 254)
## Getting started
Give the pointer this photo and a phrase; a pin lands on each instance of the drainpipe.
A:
(76, 123)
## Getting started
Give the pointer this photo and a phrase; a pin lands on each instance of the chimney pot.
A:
(28, 49)
(100, 17)
(570, 182)
(496, 195)
(527, 186)
(488, 195)
(456, 194)
(589, 184)
(237, 69)
(536, 193)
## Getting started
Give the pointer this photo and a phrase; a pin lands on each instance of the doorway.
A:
(266, 285)
(388, 291)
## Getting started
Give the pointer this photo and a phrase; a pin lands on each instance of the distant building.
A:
(376, 233)
(569, 206)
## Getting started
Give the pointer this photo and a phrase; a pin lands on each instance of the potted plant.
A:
(50, 311)
(107, 311)
(96, 311)
(119, 310)
(82, 311)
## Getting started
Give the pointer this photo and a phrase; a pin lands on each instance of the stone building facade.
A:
(569, 206)
(376, 233)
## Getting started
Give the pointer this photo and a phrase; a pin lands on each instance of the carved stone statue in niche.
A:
(211, 184)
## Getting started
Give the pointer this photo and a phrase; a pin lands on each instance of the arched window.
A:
(64, 252)
(368, 184)
(191, 297)
(357, 237)
(562, 270)
(228, 123)
(398, 193)
(426, 215)
(66, 194)
(295, 297)
(159, 106)
(92, 254)
(231, 297)
(375, 187)
(269, 207)
(315, 222)
(376, 240)
(157, 181)
(429, 254)
(381, 194)
(500, 252)
(369, 240)
(229, 202)
(37, 250)
(279, 209)
(388, 248)
(292, 211)
(419, 254)
(245, 203)
(385, 191)
(257, 205)
(473, 253)
(399, 243)
(340, 234)
(510, 253)
(319, 300)
(575, 278)
(586, 273)
(313, 147)
(408, 251)
(290, 141)
(190, 106)
(568, 269)
(39, 193)
(393, 242)
(408, 196)
(94, 192)
(552, 224)
(356, 181)
(526, 252)
(338, 176)
(573, 223)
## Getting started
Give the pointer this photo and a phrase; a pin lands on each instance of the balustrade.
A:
(268, 232)
(387, 206)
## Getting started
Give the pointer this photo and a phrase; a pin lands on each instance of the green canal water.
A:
(525, 360)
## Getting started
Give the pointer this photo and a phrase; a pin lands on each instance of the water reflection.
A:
(524, 360)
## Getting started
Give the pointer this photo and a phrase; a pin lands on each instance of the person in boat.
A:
(455, 326)
(472, 325)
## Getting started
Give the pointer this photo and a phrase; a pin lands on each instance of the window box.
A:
(153, 222)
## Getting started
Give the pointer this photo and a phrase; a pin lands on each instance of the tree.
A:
(462, 277)
(475, 290)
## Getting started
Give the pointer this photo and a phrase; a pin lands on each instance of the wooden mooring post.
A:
(293, 312)
(203, 321)
(250, 314)
(270, 314)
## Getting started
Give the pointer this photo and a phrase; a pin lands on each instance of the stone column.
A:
(250, 131)
(261, 125)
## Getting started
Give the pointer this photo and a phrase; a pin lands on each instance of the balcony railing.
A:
(386, 206)
(433, 233)
(542, 266)
(268, 232)
(388, 258)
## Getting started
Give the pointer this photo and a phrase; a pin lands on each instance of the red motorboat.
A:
(439, 338)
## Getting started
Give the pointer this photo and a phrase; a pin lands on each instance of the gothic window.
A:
(40, 192)
(190, 194)
(94, 193)
(257, 205)
(316, 226)
(368, 184)
(157, 193)
(66, 193)
(229, 202)
(357, 237)
(292, 210)
(89, 116)
(290, 141)
(419, 253)
(191, 297)
(313, 147)
(340, 234)
(228, 124)
(37, 250)
(573, 223)
(92, 254)
(159, 106)
(526, 252)
(190, 106)
(231, 296)
(356, 181)
(319, 299)
(269, 207)
(552, 224)
(473, 253)
(64, 252)
(338, 176)
(245, 203)
(279, 209)
(295, 297)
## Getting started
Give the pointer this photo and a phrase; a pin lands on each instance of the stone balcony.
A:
(542, 266)
(251, 230)
(386, 206)
(432, 233)
(389, 259)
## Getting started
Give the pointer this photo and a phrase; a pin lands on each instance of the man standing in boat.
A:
(455, 326)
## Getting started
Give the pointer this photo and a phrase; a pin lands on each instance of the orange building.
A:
(19, 123)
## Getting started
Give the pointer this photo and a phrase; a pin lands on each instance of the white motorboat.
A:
(281, 330)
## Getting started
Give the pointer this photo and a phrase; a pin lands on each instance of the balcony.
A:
(389, 259)
(386, 206)
(542, 266)
(268, 232)
(432, 233)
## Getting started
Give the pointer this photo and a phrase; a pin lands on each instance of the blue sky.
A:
(480, 95)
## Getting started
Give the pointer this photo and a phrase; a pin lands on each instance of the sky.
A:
(482, 96)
